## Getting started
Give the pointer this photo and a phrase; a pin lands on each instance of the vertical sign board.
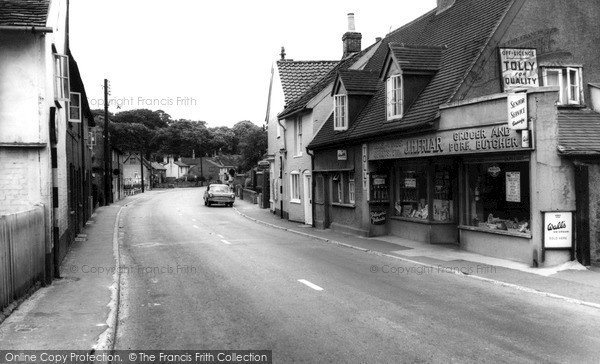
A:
(513, 186)
(519, 68)
(517, 110)
(558, 231)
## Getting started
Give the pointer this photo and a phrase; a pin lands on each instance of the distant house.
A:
(213, 168)
(175, 168)
(159, 172)
(134, 172)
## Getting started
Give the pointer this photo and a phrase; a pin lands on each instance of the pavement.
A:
(78, 311)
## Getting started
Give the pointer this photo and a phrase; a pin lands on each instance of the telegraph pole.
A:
(107, 153)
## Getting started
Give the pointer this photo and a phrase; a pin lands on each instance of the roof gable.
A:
(415, 58)
(24, 12)
(357, 81)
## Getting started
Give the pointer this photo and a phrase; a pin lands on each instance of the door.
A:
(308, 218)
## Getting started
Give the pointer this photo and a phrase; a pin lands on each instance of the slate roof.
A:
(464, 29)
(320, 85)
(24, 12)
(578, 132)
(156, 165)
(359, 81)
(299, 76)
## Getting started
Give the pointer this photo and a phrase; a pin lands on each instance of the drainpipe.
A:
(312, 185)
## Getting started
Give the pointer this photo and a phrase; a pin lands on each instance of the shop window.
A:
(411, 192)
(443, 201)
(340, 112)
(498, 196)
(568, 79)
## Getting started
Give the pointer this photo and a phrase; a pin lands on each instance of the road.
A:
(197, 277)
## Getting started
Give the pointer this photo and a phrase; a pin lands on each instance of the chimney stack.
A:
(443, 5)
(351, 38)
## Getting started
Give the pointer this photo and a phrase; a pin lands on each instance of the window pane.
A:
(498, 195)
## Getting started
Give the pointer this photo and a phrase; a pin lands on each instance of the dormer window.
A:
(340, 112)
(568, 79)
(395, 97)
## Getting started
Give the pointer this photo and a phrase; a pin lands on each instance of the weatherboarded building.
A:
(476, 124)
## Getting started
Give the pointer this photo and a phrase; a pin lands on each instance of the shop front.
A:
(478, 182)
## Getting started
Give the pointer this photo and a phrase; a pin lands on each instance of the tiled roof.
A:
(579, 132)
(359, 81)
(321, 84)
(181, 164)
(190, 161)
(464, 29)
(299, 76)
(156, 165)
(416, 57)
(24, 12)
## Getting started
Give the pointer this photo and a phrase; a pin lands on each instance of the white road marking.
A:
(194, 220)
(225, 242)
(220, 236)
(311, 285)
(196, 226)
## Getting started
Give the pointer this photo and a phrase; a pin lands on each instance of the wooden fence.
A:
(22, 247)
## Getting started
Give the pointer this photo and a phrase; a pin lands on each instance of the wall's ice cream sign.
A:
(519, 68)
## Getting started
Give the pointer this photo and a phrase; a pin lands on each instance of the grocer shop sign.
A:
(487, 139)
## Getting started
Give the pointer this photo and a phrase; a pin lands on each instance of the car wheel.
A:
(208, 203)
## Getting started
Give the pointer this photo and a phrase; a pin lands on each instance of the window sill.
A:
(298, 156)
(345, 205)
(495, 231)
(296, 201)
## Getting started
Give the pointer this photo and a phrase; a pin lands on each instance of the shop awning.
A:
(578, 132)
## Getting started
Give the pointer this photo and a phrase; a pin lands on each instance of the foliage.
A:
(154, 133)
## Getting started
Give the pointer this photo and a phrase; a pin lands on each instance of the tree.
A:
(252, 145)
(151, 119)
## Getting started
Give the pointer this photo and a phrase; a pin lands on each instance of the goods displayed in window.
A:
(412, 193)
(498, 196)
(379, 188)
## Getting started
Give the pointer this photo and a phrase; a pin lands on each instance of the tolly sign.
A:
(519, 68)
(517, 110)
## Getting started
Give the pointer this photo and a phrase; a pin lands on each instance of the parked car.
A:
(219, 193)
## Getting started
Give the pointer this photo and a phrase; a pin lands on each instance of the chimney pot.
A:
(351, 27)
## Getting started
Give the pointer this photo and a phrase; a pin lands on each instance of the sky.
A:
(211, 60)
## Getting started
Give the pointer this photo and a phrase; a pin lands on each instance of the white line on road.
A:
(311, 285)
(196, 226)
(194, 220)
(225, 242)
(220, 236)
